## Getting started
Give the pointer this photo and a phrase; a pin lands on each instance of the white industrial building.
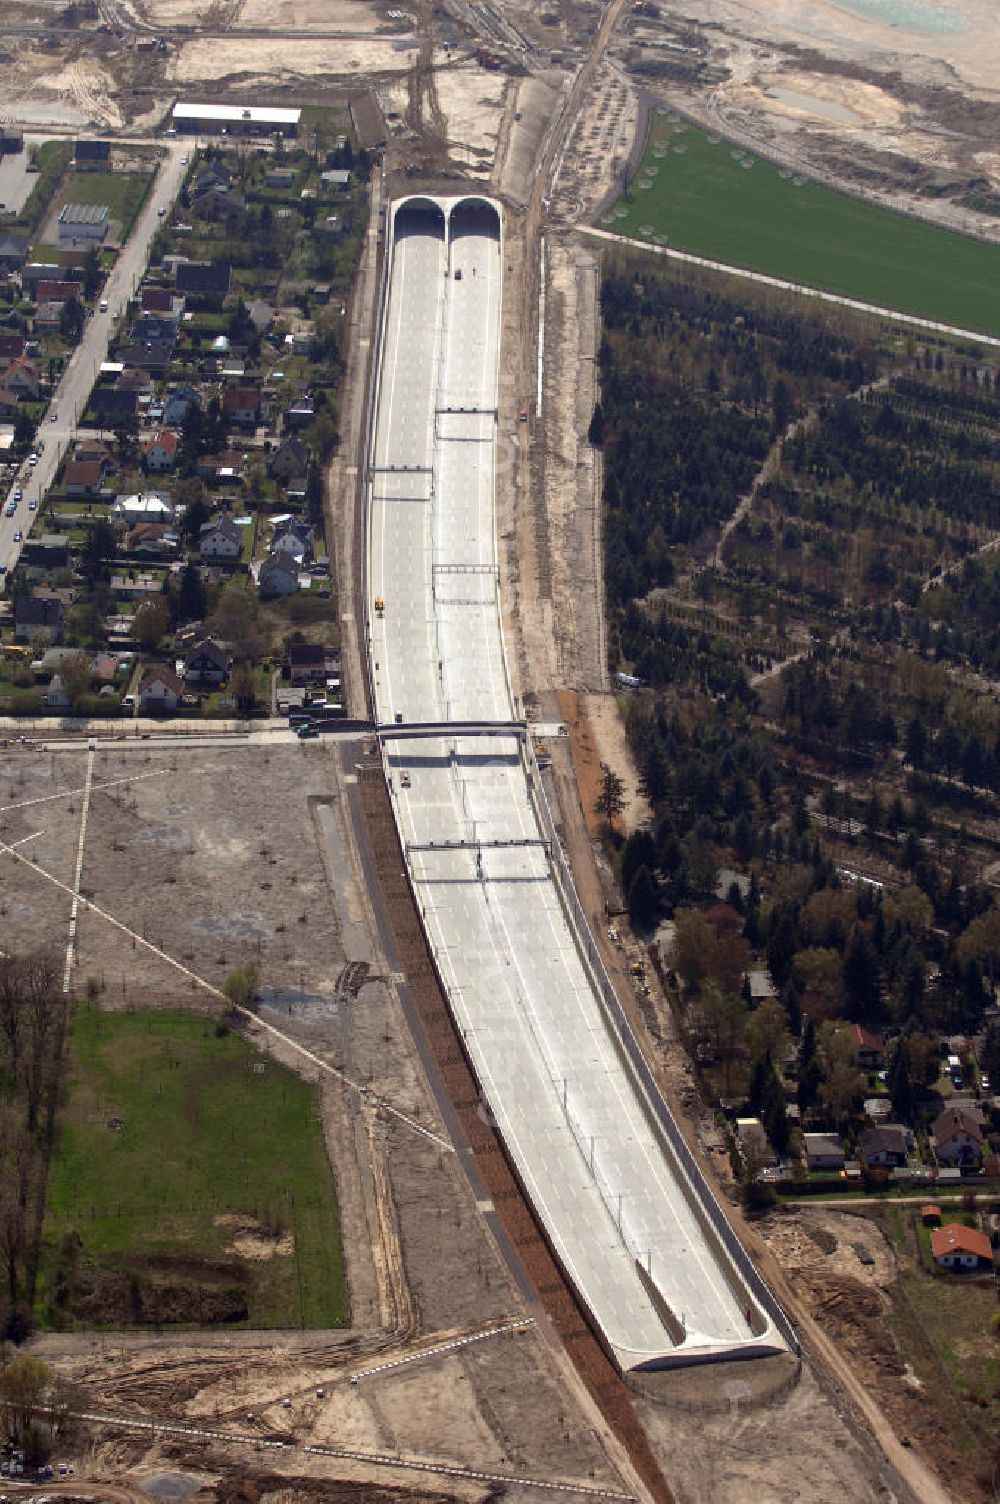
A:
(234, 119)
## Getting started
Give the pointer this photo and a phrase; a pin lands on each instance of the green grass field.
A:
(168, 1127)
(706, 196)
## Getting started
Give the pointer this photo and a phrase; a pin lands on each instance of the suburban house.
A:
(37, 617)
(13, 251)
(83, 477)
(219, 204)
(242, 405)
(179, 404)
(95, 449)
(90, 152)
(49, 290)
(219, 467)
(152, 539)
(143, 506)
(149, 355)
(56, 696)
(869, 1054)
(300, 414)
(206, 281)
(45, 553)
(307, 662)
(47, 319)
(11, 348)
(160, 300)
(155, 328)
(294, 536)
(883, 1146)
(212, 175)
(279, 575)
(161, 451)
(754, 1144)
(957, 1138)
(824, 1151)
(961, 1249)
(220, 539)
(207, 662)
(289, 460)
(21, 377)
(159, 689)
(261, 315)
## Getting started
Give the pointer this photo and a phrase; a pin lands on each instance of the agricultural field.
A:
(697, 193)
(190, 1184)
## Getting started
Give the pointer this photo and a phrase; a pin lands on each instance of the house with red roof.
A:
(869, 1052)
(161, 451)
(961, 1249)
(957, 1137)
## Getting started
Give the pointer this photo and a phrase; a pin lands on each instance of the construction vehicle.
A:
(638, 969)
(379, 605)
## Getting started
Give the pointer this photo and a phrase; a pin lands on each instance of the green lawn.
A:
(170, 1125)
(705, 196)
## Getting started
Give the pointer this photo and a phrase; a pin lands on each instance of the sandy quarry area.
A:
(471, 101)
(280, 15)
(267, 61)
(954, 40)
(819, 99)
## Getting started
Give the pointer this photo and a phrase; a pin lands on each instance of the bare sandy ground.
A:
(967, 53)
(284, 58)
(471, 101)
(614, 750)
(868, 104)
(281, 15)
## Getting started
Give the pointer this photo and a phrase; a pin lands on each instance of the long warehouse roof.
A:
(237, 114)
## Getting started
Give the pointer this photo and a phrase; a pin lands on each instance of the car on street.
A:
(18, 493)
(17, 535)
(161, 211)
(52, 417)
(3, 570)
(10, 508)
(32, 505)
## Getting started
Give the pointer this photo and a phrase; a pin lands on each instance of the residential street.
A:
(57, 428)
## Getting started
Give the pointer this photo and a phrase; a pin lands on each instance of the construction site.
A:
(478, 1361)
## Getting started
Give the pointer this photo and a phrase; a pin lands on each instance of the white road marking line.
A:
(5, 809)
(78, 872)
(353, 1454)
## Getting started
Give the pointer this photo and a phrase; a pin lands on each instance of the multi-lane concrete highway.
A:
(70, 398)
(627, 1214)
